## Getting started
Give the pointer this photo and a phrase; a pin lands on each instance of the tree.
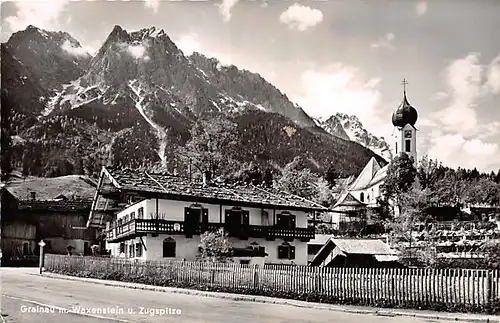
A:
(324, 228)
(6, 154)
(497, 177)
(331, 176)
(211, 145)
(297, 180)
(400, 178)
(482, 191)
(214, 246)
(491, 250)
(268, 178)
(428, 172)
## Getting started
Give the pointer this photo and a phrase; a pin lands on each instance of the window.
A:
(131, 250)
(286, 221)
(396, 148)
(122, 247)
(260, 249)
(245, 261)
(368, 198)
(407, 145)
(255, 246)
(140, 213)
(26, 248)
(362, 197)
(168, 248)
(138, 249)
(193, 215)
(132, 215)
(285, 251)
(236, 222)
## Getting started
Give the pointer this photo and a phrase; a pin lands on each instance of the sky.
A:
(331, 56)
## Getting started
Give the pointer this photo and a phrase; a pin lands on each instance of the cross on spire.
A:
(404, 82)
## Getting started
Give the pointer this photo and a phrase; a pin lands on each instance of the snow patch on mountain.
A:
(160, 131)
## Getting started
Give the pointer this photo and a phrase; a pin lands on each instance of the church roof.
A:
(404, 114)
(366, 175)
(370, 175)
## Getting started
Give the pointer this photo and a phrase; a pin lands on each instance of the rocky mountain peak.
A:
(50, 56)
(356, 132)
(140, 94)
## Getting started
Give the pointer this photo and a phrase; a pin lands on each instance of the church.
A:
(365, 189)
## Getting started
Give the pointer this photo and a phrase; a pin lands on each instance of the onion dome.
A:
(404, 114)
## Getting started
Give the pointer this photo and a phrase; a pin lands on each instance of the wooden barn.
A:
(52, 209)
(360, 253)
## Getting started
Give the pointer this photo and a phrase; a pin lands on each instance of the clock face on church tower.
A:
(407, 133)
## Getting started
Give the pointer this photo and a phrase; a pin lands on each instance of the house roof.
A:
(169, 185)
(363, 246)
(374, 247)
(72, 187)
(347, 199)
(319, 239)
(56, 206)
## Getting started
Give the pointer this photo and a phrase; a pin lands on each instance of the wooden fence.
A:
(396, 286)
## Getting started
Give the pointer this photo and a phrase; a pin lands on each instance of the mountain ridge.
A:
(141, 81)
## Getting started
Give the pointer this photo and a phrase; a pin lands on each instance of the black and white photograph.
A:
(250, 161)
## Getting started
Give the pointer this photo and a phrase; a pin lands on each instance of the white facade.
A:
(174, 211)
(187, 248)
(152, 247)
(405, 141)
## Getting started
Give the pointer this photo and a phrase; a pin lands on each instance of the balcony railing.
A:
(141, 227)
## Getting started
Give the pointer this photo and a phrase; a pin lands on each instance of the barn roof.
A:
(372, 247)
(363, 246)
(72, 187)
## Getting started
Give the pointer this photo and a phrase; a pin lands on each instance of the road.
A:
(22, 291)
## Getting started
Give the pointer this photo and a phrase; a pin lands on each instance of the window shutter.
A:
(282, 252)
(292, 221)
(279, 220)
(186, 214)
(292, 252)
(138, 249)
(246, 218)
(205, 216)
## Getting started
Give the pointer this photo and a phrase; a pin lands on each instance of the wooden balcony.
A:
(142, 227)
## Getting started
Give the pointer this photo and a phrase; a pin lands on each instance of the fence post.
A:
(255, 277)
(489, 289)
(42, 255)
(319, 270)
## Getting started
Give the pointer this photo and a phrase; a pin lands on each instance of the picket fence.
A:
(398, 286)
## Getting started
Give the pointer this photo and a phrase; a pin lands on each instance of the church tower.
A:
(405, 133)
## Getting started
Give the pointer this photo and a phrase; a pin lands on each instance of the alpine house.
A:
(154, 216)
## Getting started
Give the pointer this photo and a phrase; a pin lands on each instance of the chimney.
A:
(206, 177)
(33, 196)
